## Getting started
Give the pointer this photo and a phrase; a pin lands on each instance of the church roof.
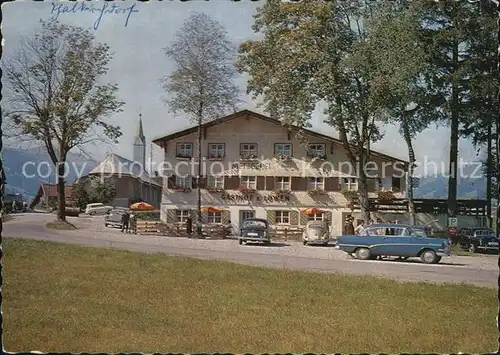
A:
(116, 164)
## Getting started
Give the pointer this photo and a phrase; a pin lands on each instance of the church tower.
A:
(140, 146)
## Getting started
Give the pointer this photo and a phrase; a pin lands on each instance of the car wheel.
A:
(472, 248)
(429, 257)
(363, 254)
(92, 213)
(304, 242)
(105, 224)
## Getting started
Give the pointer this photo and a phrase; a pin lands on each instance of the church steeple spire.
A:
(140, 132)
(140, 145)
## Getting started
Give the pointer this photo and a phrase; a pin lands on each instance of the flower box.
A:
(214, 189)
(216, 157)
(282, 157)
(281, 192)
(248, 156)
(315, 192)
(246, 189)
(316, 157)
(183, 157)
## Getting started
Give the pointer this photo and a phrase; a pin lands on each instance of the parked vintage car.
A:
(114, 218)
(476, 239)
(254, 230)
(316, 232)
(394, 240)
(97, 208)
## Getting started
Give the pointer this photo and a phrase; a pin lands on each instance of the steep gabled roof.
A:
(116, 164)
(224, 119)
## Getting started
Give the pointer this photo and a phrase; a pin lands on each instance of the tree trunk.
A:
(364, 204)
(61, 210)
(452, 179)
(411, 167)
(489, 176)
(198, 179)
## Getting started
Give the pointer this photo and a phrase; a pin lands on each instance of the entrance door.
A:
(244, 214)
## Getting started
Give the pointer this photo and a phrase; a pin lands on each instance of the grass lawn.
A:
(67, 298)
(60, 225)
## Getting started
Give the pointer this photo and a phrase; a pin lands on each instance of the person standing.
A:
(348, 226)
(189, 226)
(125, 222)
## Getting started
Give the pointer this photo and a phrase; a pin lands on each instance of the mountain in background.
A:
(471, 185)
(38, 169)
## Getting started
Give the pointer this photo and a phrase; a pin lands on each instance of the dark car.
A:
(254, 230)
(476, 239)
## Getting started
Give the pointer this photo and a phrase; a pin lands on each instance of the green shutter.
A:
(294, 218)
(170, 216)
(303, 219)
(271, 217)
(225, 216)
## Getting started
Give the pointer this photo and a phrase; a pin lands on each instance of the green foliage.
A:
(80, 195)
(147, 215)
(326, 54)
(201, 86)
(101, 190)
(93, 189)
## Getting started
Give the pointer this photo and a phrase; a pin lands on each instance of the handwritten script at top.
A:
(101, 10)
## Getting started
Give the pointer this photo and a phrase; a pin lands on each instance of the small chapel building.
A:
(130, 177)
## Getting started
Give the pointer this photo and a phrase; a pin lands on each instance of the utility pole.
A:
(199, 232)
(489, 175)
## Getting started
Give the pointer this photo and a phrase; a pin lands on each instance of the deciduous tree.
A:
(55, 93)
(316, 52)
(202, 85)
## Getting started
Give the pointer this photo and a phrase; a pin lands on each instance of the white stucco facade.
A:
(232, 138)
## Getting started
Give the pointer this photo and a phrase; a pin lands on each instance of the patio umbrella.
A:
(143, 206)
(313, 210)
(211, 209)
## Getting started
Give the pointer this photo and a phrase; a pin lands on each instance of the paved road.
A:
(478, 270)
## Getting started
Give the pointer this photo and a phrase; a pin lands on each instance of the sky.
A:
(136, 38)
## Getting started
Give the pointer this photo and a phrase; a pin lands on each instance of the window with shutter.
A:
(171, 216)
(271, 217)
(396, 184)
(231, 182)
(298, 183)
(260, 182)
(303, 219)
(269, 182)
(226, 216)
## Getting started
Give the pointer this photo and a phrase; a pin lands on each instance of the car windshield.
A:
(252, 223)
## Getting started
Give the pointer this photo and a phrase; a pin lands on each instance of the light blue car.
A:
(398, 240)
